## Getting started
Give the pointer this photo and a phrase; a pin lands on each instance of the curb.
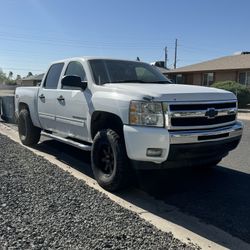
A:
(244, 110)
(164, 217)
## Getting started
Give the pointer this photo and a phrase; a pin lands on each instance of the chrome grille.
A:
(201, 115)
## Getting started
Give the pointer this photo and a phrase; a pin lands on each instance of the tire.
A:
(212, 163)
(28, 133)
(109, 161)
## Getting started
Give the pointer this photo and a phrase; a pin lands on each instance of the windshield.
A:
(118, 71)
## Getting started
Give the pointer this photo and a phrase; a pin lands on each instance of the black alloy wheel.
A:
(109, 160)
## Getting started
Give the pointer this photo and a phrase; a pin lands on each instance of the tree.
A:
(2, 76)
(18, 77)
(10, 75)
(29, 74)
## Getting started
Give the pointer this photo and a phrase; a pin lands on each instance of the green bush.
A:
(241, 91)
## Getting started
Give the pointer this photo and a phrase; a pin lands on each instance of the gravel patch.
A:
(44, 207)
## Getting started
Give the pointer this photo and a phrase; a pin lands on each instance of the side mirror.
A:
(73, 81)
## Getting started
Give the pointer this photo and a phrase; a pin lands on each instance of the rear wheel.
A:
(109, 160)
(28, 133)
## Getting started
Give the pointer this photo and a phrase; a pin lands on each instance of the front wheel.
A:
(212, 163)
(109, 160)
(28, 133)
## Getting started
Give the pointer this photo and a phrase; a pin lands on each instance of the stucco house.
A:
(233, 68)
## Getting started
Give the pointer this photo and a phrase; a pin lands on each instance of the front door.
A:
(72, 105)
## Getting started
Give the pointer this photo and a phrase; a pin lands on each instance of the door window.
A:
(76, 68)
(53, 76)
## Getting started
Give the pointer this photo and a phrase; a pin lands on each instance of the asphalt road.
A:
(219, 196)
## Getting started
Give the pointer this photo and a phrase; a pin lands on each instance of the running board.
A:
(68, 141)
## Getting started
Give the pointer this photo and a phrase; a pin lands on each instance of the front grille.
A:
(201, 115)
(203, 106)
(201, 121)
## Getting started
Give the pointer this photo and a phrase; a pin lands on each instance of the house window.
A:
(208, 79)
(244, 78)
(179, 79)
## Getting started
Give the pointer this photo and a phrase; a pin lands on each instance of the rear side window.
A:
(76, 68)
(53, 76)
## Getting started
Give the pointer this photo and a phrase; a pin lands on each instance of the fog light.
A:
(154, 152)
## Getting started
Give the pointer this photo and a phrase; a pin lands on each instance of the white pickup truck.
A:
(128, 115)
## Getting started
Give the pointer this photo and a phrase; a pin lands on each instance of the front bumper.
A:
(199, 136)
(139, 139)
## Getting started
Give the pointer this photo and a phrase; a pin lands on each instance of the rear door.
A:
(72, 105)
(47, 97)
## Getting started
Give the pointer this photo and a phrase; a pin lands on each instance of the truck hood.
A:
(171, 92)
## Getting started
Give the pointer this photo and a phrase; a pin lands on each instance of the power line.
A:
(85, 44)
(212, 49)
(56, 38)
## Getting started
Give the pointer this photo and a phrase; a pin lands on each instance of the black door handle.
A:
(41, 96)
(60, 98)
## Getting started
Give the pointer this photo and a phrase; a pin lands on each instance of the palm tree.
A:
(10, 75)
(29, 74)
(18, 77)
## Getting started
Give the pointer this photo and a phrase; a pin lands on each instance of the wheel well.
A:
(104, 120)
(22, 105)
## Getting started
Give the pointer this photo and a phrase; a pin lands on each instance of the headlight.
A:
(146, 113)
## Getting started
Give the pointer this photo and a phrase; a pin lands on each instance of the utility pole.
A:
(175, 53)
(166, 57)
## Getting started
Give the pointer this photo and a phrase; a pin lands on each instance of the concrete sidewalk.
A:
(244, 116)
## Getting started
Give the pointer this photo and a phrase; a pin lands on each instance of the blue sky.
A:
(35, 32)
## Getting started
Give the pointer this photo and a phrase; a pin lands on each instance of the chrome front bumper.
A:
(199, 136)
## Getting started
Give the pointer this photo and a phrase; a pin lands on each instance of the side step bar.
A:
(68, 141)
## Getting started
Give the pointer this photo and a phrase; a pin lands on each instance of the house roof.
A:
(234, 62)
(33, 78)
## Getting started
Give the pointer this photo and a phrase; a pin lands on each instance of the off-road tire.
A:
(28, 133)
(212, 164)
(119, 177)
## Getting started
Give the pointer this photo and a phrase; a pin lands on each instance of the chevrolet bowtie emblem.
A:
(211, 113)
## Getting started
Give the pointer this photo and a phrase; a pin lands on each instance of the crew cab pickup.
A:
(129, 116)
